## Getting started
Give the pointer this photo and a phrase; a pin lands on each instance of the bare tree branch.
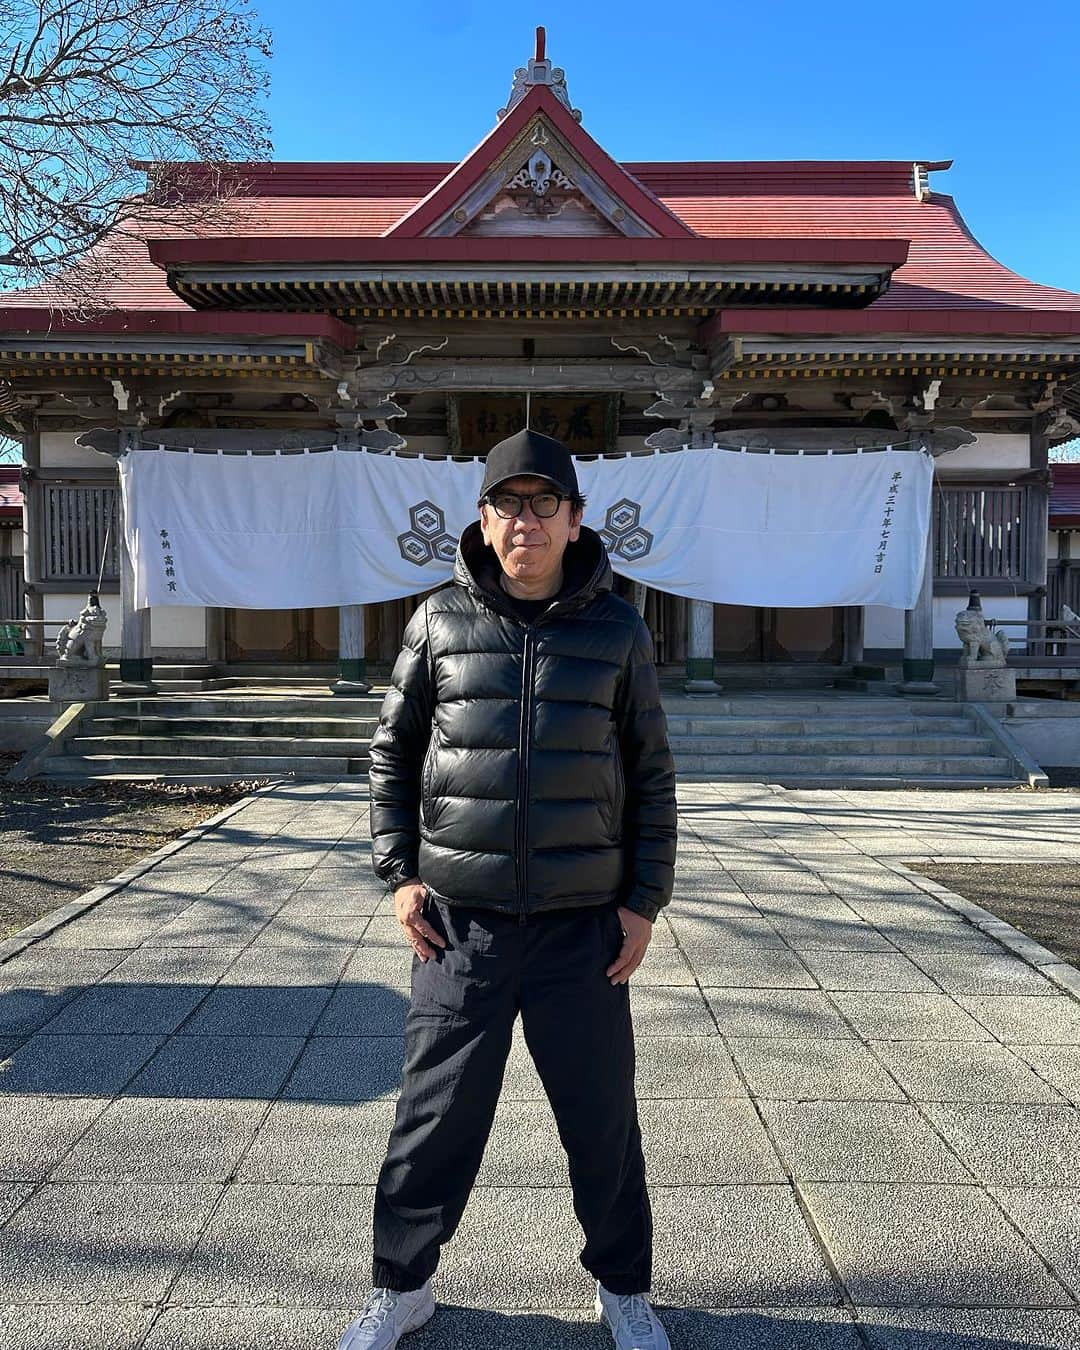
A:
(90, 90)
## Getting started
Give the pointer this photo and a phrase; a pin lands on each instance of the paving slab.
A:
(218, 1066)
(290, 930)
(24, 1010)
(802, 1014)
(860, 1141)
(667, 1011)
(162, 1139)
(736, 1245)
(1028, 1143)
(706, 1142)
(37, 1132)
(127, 1007)
(894, 1016)
(1057, 1064)
(274, 1010)
(965, 1071)
(316, 967)
(867, 972)
(347, 1068)
(968, 1329)
(324, 1143)
(304, 1246)
(928, 1245)
(76, 1066)
(684, 1068)
(977, 973)
(1024, 1018)
(372, 1008)
(12, 1195)
(87, 1326)
(103, 1243)
(1049, 1217)
(243, 1328)
(749, 968)
(786, 1068)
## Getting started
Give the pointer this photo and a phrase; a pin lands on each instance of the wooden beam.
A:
(504, 375)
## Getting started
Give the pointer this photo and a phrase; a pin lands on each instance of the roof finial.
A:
(539, 71)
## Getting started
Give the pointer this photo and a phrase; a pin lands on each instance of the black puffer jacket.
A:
(526, 767)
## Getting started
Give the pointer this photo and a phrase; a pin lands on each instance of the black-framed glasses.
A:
(509, 504)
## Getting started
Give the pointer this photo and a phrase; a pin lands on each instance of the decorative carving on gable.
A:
(539, 174)
(539, 187)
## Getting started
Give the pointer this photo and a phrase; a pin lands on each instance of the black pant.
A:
(457, 1035)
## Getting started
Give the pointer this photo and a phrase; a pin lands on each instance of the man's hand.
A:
(408, 902)
(638, 932)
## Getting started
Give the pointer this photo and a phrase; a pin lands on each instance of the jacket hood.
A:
(586, 569)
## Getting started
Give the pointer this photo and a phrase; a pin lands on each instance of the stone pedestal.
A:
(986, 684)
(78, 684)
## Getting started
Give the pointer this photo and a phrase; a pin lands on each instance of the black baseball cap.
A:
(530, 452)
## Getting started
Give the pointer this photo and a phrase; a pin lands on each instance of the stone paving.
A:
(859, 1096)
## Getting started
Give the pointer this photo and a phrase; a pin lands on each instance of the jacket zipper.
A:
(523, 768)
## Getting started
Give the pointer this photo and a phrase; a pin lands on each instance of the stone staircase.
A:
(216, 737)
(837, 740)
(793, 738)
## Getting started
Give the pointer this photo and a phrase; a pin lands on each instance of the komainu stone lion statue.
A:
(982, 646)
(78, 642)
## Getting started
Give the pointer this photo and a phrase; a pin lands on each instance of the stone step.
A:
(863, 782)
(342, 728)
(798, 705)
(181, 768)
(767, 766)
(328, 705)
(304, 746)
(738, 725)
(814, 745)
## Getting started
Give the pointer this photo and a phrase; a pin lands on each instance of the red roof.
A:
(1065, 497)
(11, 498)
(947, 284)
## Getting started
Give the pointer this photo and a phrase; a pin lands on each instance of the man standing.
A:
(523, 813)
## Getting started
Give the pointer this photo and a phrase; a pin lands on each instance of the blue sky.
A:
(987, 84)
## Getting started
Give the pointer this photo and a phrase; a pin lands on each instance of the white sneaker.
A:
(631, 1320)
(387, 1316)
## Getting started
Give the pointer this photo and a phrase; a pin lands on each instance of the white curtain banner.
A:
(337, 527)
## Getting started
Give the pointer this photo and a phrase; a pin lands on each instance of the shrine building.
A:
(422, 307)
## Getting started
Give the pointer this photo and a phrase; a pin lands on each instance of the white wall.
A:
(61, 607)
(946, 608)
(884, 627)
(992, 450)
(170, 625)
(178, 626)
(59, 451)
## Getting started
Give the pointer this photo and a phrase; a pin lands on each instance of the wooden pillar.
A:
(34, 601)
(919, 632)
(1037, 511)
(700, 647)
(700, 652)
(136, 653)
(352, 662)
(854, 622)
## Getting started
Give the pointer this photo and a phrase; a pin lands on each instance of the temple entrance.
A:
(753, 635)
(743, 634)
(287, 635)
